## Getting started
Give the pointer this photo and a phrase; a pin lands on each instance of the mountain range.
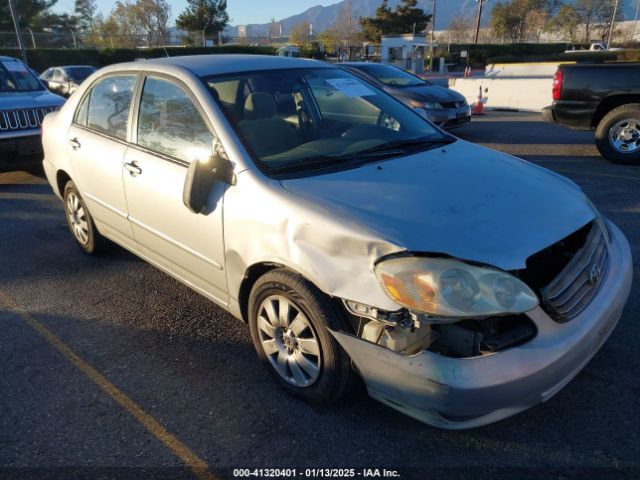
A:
(323, 17)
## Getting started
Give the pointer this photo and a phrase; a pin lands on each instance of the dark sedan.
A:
(65, 80)
(444, 107)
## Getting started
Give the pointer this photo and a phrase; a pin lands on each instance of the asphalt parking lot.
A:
(111, 369)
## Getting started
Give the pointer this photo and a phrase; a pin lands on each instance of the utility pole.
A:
(433, 28)
(480, 3)
(16, 25)
(612, 23)
(350, 27)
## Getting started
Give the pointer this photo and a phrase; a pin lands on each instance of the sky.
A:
(240, 11)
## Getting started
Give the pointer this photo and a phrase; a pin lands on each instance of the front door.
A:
(171, 133)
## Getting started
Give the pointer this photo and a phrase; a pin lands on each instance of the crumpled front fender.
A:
(264, 223)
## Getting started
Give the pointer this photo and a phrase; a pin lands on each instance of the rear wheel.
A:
(289, 320)
(618, 135)
(80, 221)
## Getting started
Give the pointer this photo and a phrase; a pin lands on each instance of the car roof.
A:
(223, 63)
(4, 58)
(362, 64)
(73, 66)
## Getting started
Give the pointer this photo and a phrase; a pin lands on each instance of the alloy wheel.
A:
(77, 218)
(624, 136)
(289, 341)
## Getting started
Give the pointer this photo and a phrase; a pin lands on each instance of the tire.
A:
(623, 120)
(282, 348)
(80, 222)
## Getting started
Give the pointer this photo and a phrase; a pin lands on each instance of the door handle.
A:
(75, 143)
(133, 168)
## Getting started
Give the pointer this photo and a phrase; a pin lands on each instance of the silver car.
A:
(354, 237)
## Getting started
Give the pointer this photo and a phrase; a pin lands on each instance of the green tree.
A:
(28, 10)
(300, 34)
(516, 19)
(405, 18)
(505, 21)
(607, 13)
(132, 24)
(596, 14)
(85, 12)
(204, 16)
(566, 22)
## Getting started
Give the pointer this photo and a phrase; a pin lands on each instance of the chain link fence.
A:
(36, 40)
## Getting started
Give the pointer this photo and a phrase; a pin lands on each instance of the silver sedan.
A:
(354, 237)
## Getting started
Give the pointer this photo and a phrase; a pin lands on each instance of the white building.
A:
(407, 51)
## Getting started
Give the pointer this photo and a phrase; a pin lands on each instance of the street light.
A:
(33, 39)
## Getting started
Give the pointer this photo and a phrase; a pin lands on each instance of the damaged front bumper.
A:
(458, 393)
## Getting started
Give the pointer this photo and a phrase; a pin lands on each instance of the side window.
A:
(169, 122)
(47, 74)
(227, 90)
(106, 107)
(81, 112)
(58, 75)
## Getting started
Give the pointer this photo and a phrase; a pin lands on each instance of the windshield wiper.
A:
(377, 152)
(406, 144)
(327, 160)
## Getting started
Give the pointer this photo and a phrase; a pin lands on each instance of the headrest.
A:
(259, 105)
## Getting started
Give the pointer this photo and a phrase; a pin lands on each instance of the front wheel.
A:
(289, 320)
(618, 135)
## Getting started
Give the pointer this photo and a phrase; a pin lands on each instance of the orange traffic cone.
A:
(478, 107)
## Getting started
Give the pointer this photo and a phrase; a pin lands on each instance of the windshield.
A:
(79, 73)
(392, 76)
(16, 77)
(307, 118)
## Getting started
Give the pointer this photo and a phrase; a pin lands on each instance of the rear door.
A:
(171, 132)
(96, 144)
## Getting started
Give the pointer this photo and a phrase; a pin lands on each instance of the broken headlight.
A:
(443, 287)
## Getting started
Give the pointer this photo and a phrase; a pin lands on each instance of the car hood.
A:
(430, 93)
(40, 98)
(464, 200)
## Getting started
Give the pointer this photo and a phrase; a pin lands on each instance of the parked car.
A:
(65, 80)
(463, 284)
(604, 98)
(24, 102)
(595, 47)
(441, 105)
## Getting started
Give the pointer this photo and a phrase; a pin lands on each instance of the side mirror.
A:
(201, 176)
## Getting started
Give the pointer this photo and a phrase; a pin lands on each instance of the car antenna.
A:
(165, 52)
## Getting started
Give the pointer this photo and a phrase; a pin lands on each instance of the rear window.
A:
(79, 73)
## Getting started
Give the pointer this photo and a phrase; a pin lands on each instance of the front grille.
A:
(572, 289)
(452, 104)
(23, 119)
